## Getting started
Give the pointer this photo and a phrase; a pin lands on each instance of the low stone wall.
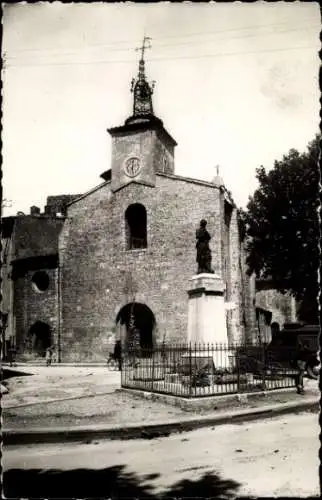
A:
(202, 403)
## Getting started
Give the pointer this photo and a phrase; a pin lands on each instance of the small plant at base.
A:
(200, 377)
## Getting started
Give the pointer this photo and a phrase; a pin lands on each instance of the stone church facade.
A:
(128, 246)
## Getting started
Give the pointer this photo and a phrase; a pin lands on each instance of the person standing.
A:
(275, 331)
(53, 354)
(118, 354)
(49, 354)
(302, 356)
(11, 354)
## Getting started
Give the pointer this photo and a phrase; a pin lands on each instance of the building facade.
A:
(126, 249)
(30, 269)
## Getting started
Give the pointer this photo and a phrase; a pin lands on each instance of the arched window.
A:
(136, 227)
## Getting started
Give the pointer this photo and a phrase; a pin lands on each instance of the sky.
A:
(236, 86)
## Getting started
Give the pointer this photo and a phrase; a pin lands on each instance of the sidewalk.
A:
(93, 406)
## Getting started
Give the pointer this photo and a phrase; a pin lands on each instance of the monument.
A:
(206, 308)
(203, 249)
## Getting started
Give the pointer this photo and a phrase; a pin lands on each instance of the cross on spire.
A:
(142, 90)
(147, 40)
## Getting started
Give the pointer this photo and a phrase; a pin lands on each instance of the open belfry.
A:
(79, 275)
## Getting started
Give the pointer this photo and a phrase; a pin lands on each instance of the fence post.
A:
(266, 366)
(190, 371)
(237, 353)
(152, 369)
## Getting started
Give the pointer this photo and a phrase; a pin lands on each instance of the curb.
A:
(206, 402)
(151, 431)
(43, 364)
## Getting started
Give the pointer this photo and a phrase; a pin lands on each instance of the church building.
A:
(128, 246)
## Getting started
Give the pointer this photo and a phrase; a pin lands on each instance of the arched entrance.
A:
(142, 318)
(39, 337)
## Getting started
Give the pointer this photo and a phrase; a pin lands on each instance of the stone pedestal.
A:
(207, 316)
(206, 310)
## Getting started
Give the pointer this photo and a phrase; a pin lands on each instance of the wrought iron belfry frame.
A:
(141, 89)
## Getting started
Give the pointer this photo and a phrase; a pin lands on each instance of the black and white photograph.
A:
(160, 250)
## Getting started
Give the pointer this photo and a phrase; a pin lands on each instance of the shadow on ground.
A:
(112, 482)
(7, 373)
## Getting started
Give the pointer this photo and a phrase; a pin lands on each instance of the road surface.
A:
(272, 457)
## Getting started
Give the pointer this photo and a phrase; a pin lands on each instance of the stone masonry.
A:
(95, 263)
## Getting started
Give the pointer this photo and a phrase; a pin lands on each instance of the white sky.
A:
(236, 85)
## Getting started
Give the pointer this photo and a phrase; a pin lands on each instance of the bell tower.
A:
(142, 90)
(141, 147)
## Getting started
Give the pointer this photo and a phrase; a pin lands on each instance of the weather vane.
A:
(146, 44)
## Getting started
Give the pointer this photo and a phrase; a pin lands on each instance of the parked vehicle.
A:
(283, 349)
(280, 353)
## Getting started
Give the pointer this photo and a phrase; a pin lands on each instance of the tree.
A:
(282, 227)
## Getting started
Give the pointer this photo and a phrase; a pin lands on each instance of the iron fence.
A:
(196, 370)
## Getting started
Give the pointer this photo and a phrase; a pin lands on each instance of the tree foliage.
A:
(283, 229)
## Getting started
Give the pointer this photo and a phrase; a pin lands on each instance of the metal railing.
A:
(196, 370)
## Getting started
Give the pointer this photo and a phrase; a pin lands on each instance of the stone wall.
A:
(96, 267)
(260, 300)
(36, 236)
(235, 325)
(247, 299)
(57, 204)
(7, 287)
(32, 246)
(139, 144)
(32, 305)
(281, 306)
(163, 150)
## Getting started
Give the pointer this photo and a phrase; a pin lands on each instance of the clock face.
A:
(132, 166)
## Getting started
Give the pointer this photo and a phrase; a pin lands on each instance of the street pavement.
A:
(56, 382)
(272, 457)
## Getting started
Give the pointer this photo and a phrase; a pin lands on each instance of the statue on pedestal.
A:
(203, 249)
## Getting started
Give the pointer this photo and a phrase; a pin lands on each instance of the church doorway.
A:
(142, 318)
(40, 338)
